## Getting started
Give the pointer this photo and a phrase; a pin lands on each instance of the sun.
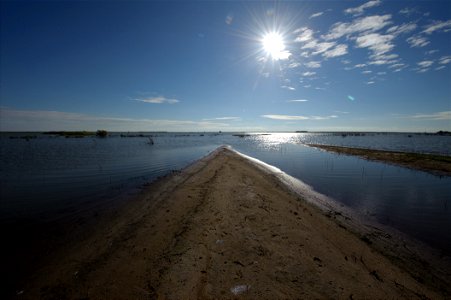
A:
(274, 46)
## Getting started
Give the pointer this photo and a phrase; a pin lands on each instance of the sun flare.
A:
(274, 46)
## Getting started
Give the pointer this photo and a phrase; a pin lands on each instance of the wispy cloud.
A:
(294, 65)
(376, 42)
(306, 74)
(157, 100)
(417, 41)
(287, 87)
(229, 19)
(318, 47)
(438, 116)
(438, 25)
(297, 118)
(365, 24)
(341, 112)
(303, 34)
(41, 120)
(425, 63)
(360, 9)
(445, 60)
(383, 59)
(400, 29)
(223, 119)
(315, 15)
(407, 11)
(313, 64)
(396, 66)
(339, 50)
(430, 52)
(423, 70)
(298, 100)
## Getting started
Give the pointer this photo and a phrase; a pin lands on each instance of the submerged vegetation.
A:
(431, 163)
(69, 134)
(101, 133)
(78, 134)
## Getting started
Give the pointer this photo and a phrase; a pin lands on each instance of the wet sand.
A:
(435, 164)
(226, 228)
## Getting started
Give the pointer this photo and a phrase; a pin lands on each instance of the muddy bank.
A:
(224, 228)
(435, 164)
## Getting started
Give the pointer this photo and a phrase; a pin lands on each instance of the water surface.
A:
(50, 178)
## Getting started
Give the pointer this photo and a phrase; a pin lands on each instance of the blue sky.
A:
(204, 66)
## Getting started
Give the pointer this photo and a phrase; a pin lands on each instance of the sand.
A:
(223, 229)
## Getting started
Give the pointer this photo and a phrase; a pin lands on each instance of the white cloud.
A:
(283, 55)
(367, 72)
(341, 112)
(305, 74)
(359, 9)
(438, 25)
(407, 11)
(297, 118)
(381, 73)
(445, 60)
(370, 82)
(417, 41)
(229, 19)
(404, 28)
(32, 120)
(298, 100)
(339, 50)
(383, 59)
(430, 52)
(318, 47)
(438, 116)
(313, 64)
(365, 24)
(223, 119)
(315, 15)
(322, 47)
(294, 65)
(425, 63)
(440, 68)
(304, 34)
(287, 87)
(398, 65)
(157, 100)
(423, 70)
(376, 42)
(360, 66)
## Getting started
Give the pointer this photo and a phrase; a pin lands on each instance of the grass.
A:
(431, 163)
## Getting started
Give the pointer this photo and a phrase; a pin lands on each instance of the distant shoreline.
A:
(348, 132)
(439, 165)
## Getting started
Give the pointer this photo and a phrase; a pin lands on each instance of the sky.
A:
(225, 66)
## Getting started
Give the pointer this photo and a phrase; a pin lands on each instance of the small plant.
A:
(101, 133)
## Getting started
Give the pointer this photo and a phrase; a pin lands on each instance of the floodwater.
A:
(51, 178)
